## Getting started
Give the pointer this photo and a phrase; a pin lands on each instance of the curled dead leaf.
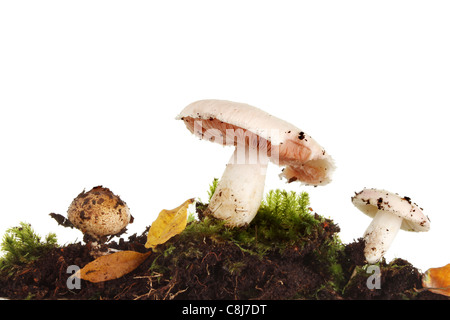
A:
(168, 224)
(112, 266)
(437, 280)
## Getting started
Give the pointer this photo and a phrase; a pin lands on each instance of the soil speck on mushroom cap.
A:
(301, 136)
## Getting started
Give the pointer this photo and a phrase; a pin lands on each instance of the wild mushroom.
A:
(258, 138)
(390, 213)
(99, 213)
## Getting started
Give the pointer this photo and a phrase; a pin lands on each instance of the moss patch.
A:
(21, 246)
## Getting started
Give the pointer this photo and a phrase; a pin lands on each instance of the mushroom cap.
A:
(99, 213)
(370, 201)
(304, 159)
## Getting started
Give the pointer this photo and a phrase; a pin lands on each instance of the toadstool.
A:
(390, 213)
(258, 138)
(99, 213)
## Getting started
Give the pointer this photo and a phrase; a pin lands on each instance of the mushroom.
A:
(99, 213)
(390, 212)
(258, 138)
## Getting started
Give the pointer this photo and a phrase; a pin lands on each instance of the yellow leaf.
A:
(112, 266)
(168, 224)
(437, 280)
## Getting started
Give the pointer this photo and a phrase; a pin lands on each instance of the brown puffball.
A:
(99, 213)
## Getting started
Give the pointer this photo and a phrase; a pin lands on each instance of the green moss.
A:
(234, 267)
(212, 188)
(157, 268)
(284, 219)
(21, 245)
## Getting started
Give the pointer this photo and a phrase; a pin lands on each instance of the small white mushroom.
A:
(390, 213)
(258, 138)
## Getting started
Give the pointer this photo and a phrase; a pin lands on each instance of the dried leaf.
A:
(112, 266)
(437, 280)
(168, 224)
(61, 220)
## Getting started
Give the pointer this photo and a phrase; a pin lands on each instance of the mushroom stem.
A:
(380, 234)
(239, 192)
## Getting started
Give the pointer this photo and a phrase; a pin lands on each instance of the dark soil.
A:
(208, 268)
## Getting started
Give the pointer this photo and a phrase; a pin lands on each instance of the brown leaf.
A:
(437, 280)
(112, 266)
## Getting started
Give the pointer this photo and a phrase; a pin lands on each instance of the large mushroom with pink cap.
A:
(258, 138)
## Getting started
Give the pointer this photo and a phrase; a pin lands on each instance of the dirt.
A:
(207, 268)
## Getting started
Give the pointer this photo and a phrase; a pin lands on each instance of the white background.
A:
(89, 92)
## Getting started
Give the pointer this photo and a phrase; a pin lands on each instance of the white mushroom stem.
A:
(239, 192)
(380, 234)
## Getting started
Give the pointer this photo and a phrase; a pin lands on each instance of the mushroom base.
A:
(380, 234)
(239, 192)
